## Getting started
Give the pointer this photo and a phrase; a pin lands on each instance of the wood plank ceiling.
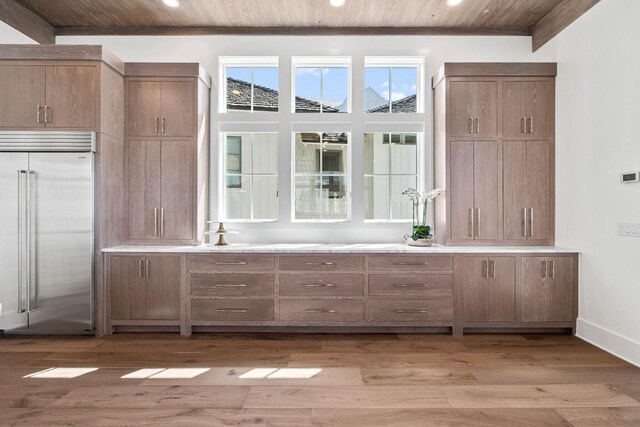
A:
(302, 17)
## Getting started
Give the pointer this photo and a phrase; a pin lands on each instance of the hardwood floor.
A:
(313, 380)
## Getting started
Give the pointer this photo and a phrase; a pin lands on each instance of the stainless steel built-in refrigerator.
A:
(46, 232)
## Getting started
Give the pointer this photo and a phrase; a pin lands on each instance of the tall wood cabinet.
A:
(494, 153)
(167, 152)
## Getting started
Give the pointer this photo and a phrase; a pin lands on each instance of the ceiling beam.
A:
(297, 31)
(27, 22)
(558, 19)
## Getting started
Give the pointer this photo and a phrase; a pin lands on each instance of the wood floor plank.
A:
(438, 417)
(598, 417)
(565, 375)
(31, 396)
(632, 390)
(417, 376)
(224, 397)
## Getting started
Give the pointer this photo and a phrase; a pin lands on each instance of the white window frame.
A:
(321, 62)
(222, 178)
(252, 62)
(399, 62)
(420, 171)
(324, 128)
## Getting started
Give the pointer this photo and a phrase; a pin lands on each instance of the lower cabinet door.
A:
(126, 286)
(416, 311)
(162, 288)
(547, 289)
(489, 289)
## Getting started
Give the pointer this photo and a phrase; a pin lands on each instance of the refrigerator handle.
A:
(21, 240)
(32, 278)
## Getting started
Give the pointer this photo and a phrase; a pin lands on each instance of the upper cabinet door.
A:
(485, 188)
(538, 109)
(22, 91)
(514, 109)
(461, 121)
(178, 109)
(144, 159)
(539, 192)
(485, 108)
(461, 191)
(71, 97)
(145, 108)
(177, 190)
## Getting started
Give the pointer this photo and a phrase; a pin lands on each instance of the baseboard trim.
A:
(618, 345)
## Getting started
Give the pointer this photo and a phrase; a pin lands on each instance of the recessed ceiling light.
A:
(172, 3)
(453, 2)
(336, 3)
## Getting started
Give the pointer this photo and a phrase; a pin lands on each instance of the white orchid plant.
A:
(420, 201)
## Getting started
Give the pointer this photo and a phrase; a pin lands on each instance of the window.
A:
(391, 166)
(251, 176)
(391, 85)
(250, 84)
(321, 85)
(321, 179)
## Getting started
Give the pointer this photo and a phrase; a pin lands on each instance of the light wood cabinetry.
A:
(489, 289)
(494, 153)
(167, 163)
(527, 190)
(547, 293)
(49, 96)
(144, 288)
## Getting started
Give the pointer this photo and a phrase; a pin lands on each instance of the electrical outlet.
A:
(629, 229)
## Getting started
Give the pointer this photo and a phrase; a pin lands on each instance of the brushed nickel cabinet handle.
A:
(155, 222)
(492, 269)
(140, 274)
(477, 124)
(38, 120)
(231, 310)
(163, 125)
(531, 223)
(410, 311)
(477, 226)
(231, 263)
(544, 269)
(470, 124)
(553, 269)
(411, 285)
(471, 223)
(319, 263)
(314, 310)
(157, 125)
(146, 268)
(409, 263)
(524, 222)
(485, 268)
(46, 115)
(161, 222)
(320, 285)
(230, 285)
(530, 124)
(523, 125)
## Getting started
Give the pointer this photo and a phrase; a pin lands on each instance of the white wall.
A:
(9, 35)
(206, 49)
(597, 122)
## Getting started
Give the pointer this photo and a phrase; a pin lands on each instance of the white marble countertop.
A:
(303, 248)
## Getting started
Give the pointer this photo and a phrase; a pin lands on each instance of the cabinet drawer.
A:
(411, 262)
(322, 310)
(425, 285)
(240, 262)
(230, 310)
(322, 263)
(322, 285)
(433, 310)
(232, 284)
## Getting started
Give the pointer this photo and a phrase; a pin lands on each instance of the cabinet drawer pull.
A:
(320, 285)
(523, 127)
(230, 285)
(477, 125)
(314, 310)
(530, 124)
(231, 263)
(163, 125)
(319, 263)
(231, 310)
(46, 115)
(409, 263)
(410, 311)
(470, 124)
(38, 114)
(411, 285)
